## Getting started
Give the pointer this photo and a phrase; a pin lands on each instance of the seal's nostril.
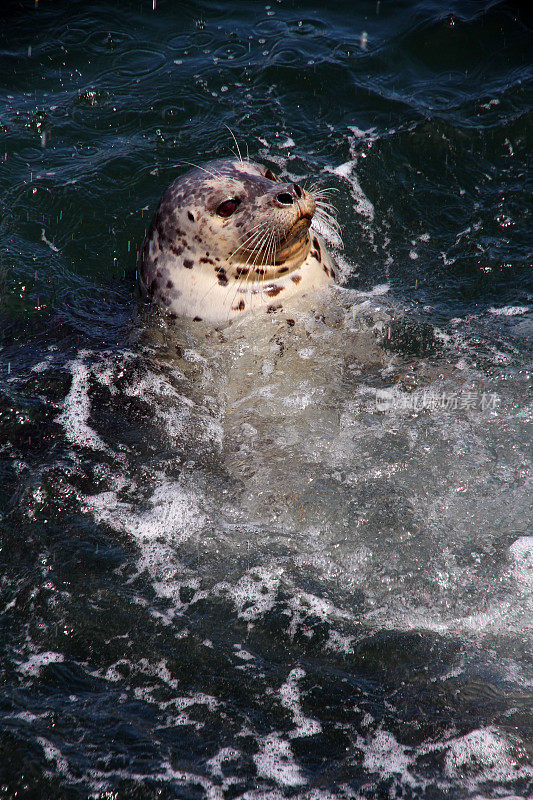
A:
(298, 191)
(285, 198)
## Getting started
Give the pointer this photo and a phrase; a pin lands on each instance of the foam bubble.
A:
(383, 754)
(521, 552)
(77, 408)
(362, 204)
(172, 512)
(483, 753)
(52, 753)
(291, 700)
(275, 761)
(224, 756)
(254, 593)
(509, 311)
(36, 662)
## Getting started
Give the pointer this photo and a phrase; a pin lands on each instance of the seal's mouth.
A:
(295, 239)
(294, 245)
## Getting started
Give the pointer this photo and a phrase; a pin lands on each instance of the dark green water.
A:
(166, 632)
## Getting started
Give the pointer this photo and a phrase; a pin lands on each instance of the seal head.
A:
(228, 238)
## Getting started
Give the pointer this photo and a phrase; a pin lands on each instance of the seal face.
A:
(229, 238)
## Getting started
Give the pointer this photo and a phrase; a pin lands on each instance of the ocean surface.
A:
(288, 559)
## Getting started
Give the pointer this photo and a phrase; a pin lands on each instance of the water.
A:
(287, 560)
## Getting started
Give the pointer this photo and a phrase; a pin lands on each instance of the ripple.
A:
(366, 625)
(138, 62)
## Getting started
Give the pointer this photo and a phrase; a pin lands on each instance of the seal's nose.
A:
(287, 198)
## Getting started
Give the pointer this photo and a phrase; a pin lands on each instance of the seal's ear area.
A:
(228, 207)
(271, 177)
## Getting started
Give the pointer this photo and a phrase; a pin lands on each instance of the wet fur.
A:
(194, 263)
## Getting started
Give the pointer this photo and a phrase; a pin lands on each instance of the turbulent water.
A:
(291, 557)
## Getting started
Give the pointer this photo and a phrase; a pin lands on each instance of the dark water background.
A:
(223, 679)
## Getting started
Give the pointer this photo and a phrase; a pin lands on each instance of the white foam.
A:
(287, 143)
(301, 399)
(383, 754)
(368, 135)
(275, 761)
(50, 244)
(486, 754)
(172, 517)
(254, 593)
(224, 756)
(77, 408)
(182, 415)
(344, 170)
(346, 268)
(325, 230)
(241, 653)
(509, 311)
(291, 700)
(172, 513)
(338, 643)
(52, 753)
(27, 716)
(362, 204)
(378, 290)
(36, 662)
(521, 552)
(42, 366)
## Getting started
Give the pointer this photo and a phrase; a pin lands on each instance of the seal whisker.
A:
(321, 189)
(245, 272)
(221, 243)
(329, 207)
(215, 175)
(235, 140)
(259, 247)
(257, 252)
(250, 243)
(251, 230)
(255, 249)
(266, 238)
(322, 192)
(324, 198)
(313, 187)
(330, 224)
(321, 214)
(216, 282)
(250, 236)
(258, 240)
(272, 250)
(325, 213)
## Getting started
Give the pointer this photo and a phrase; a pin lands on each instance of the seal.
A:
(229, 238)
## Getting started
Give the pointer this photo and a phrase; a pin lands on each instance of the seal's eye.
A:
(227, 208)
(270, 175)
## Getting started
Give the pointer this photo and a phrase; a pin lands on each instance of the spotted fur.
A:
(200, 264)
